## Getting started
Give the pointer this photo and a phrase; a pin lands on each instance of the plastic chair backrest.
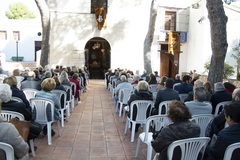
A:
(163, 107)
(16, 99)
(202, 120)
(190, 148)
(8, 150)
(153, 87)
(74, 87)
(42, 106)
(220, 106)
(124, 95)
(68, 90)
(175, 85)
(154, 94)
(142, 107)
(8, 115)
(29, 93)
(60, 94)
(156, 122)
(230, 149)
(183, 96)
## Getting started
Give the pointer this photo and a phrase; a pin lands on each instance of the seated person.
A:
(198, 106)
(198, 84)
(181, 128)
(47, 86)
(10, 105)
(141, 94)
(12, 81)
(220, 95)
(31, 82)
(185, 86)
(228, 135)
(9, 134)
(166, 94)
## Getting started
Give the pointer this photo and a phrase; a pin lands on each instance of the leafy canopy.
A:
(19, 10)
(228, 70)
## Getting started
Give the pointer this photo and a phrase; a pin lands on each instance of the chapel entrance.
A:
(97, 57)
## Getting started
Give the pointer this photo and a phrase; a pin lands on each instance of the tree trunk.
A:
(44, 12)
(218, 21)
(149, 37)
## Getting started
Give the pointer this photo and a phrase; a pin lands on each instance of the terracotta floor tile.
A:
(94, 131)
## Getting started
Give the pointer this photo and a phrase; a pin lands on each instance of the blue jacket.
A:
(227, 136)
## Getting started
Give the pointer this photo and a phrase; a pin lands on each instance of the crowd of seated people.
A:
(202, 98)
(43, 80)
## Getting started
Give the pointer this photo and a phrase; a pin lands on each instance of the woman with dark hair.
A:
(152, 79)
(228, 135)
(75, 79)
(181, 128)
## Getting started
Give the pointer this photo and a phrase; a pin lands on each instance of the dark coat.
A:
(171, 133)
(227, 136)
(17, 107)
(20, 94)
(184, 88)
(218, 97)
(166, 94)
(138, 95)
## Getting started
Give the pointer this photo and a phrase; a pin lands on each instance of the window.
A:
(3, 35)
(16, 35)
(98, 3)
(170, 21)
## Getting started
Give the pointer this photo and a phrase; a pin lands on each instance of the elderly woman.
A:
(141, 94)
(12, 82)
(10, 135)
(10, 105)
(64, 78)
(181, 128)
(47, 86)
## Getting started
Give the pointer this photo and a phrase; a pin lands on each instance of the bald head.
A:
(198, 84)
(236, 94)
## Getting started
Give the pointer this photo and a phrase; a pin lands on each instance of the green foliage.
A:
(236, 56)
(228, 70)
(19, 10)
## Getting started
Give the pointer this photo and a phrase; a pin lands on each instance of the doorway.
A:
(97, 57)
(169, 64)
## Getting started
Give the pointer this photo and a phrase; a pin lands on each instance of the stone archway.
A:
(97, 57)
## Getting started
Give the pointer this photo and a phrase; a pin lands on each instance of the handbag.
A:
(22, 126)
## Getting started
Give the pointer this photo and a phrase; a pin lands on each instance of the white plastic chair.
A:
(220, 107)
(142, 107)
(154, 94)
(74, 88)
(202, 120)
(8, 150)
(153, 87)
(16, 99)
(157, 122)
(71, 96)
(29, 93)
(135, 87)
(41, 106)
(66, 107)
(230, 149)
(190, 148)
(123, 97)
(8, 115)
(183, 96)
(163, 106)
(2, 77)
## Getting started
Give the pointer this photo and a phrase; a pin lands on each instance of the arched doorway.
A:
(97, 57)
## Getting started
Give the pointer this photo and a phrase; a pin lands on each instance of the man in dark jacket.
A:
(31, 82)
(220, 95)
(166, 94)
(185, 86)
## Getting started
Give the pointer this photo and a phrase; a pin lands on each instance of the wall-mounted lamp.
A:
(195, 6)
(201, 19)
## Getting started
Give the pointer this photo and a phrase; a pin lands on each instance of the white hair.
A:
(5, 92)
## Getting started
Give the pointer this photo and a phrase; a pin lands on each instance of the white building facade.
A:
(76, 41)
